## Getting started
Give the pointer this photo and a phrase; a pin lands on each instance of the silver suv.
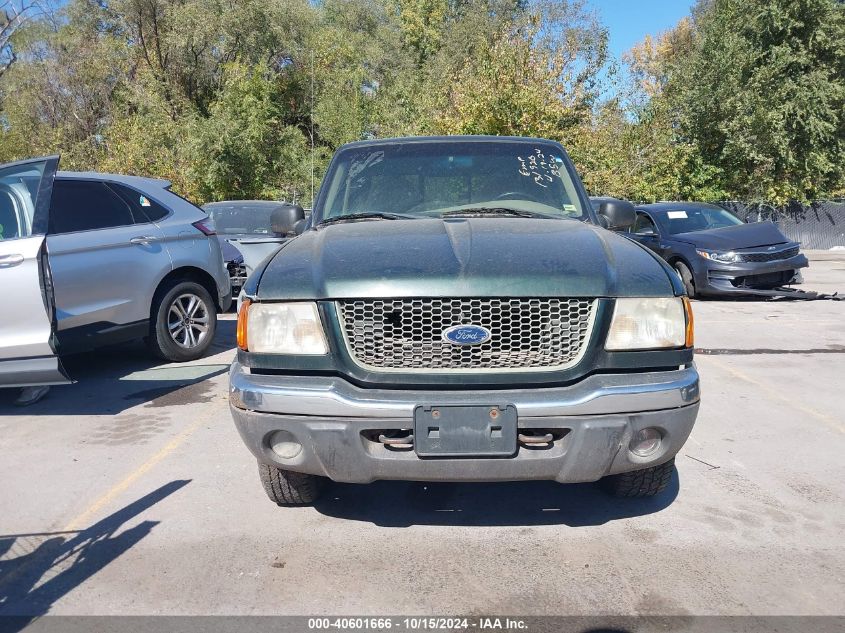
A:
(88, 259)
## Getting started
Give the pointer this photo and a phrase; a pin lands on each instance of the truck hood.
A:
(461, 257)
(731, 238)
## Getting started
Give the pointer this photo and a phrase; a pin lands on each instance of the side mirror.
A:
(619, 214)
(284, 220)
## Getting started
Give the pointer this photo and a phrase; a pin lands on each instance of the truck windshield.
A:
(422, 179)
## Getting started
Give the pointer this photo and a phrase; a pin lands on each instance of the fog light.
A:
(645, 442)
(284, 444)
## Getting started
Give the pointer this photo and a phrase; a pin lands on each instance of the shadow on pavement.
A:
(54, 563)
(798, 296)
(112, 379)
(403, 504)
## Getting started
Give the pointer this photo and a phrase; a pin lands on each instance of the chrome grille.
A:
(407, 334)
(770, 257)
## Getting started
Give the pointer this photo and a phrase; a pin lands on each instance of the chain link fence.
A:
(818, 225)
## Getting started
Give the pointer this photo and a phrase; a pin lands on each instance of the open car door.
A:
(27, 314)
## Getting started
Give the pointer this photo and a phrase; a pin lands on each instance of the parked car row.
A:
(88, 259)
(713, 251)
(450, 311)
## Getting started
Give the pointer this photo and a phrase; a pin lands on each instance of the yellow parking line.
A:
(82, 521)
(823, 417)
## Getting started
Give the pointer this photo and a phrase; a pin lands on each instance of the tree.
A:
(243, 149)
(227, 99)
(65, 84)
(763, 97)
(184, 45)
(536, 75)
(13, 15)
(653, 60)
(422, 26)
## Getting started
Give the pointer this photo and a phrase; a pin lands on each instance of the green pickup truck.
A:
(454, 310)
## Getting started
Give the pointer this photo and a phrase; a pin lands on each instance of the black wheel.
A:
(287, 488)
(641, 483)
(686, 278)
(184, 320)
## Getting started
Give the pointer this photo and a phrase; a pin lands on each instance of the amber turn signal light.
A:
(690, 339)
(243, 313)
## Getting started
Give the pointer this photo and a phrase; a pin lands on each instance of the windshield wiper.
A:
(495, 211)
(352, 217)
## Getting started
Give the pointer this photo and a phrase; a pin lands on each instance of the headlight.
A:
(281, 328)
(645, 323)
(718, 256)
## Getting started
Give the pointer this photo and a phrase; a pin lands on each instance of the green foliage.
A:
(743, 99)
(523, 82)
(59, 92)
(149, 143)
(756, 91)
(764, 96)
(422, 26)
(243, 149)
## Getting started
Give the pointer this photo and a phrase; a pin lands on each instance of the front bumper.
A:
(336, 422)
(716, 278)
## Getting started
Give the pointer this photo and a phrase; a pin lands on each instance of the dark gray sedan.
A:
(714, 252)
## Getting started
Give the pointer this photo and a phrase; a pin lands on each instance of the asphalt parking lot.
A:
(130, 493)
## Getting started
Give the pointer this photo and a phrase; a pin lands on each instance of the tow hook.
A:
(534, 440)
(405, 441)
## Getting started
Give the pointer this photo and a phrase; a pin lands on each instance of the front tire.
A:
(287, 488)
(686, 278)
(183, 324)
(641, 483)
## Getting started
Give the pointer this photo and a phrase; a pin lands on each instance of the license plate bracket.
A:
(465, 431)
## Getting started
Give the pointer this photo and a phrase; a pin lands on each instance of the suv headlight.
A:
(281, 328)
(719, 256)
(650, 323)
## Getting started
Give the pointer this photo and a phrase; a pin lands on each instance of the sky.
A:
(629, 21)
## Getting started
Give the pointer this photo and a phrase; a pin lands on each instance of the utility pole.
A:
(311, 124)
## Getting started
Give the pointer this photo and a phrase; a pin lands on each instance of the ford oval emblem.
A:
(466, 334)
